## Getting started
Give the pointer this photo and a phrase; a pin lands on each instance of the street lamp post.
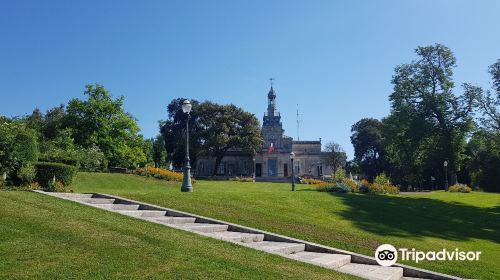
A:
(253, 174)
(292, 156)
(445, 164)
(186, 182)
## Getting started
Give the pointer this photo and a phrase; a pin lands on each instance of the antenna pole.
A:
(298, 124)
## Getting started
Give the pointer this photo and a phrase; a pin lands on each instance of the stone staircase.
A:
(303, 251)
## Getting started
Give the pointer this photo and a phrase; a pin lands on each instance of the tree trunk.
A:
(218, 159)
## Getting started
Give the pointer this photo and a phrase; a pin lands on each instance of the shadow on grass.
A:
(421, 217)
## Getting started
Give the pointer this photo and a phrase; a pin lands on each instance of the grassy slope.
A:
(48, 238)
(354, 222)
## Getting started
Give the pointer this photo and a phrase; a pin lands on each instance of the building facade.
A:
(273, 162)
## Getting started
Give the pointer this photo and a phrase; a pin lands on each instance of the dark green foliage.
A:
(159, 152)
(431, 121)
(173, 131)
(100, 121)
(340, 188)
(213, 130)
(369, 152)
(26, 174)
(45, 172)
(18, 146)
(483, 151)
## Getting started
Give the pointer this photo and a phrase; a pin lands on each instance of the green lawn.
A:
(42, 237)
(353, 222)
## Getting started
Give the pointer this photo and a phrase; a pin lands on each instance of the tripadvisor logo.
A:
(387, 255)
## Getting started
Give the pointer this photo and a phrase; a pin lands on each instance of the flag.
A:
(271, 148)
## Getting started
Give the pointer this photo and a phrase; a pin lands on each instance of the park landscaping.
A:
(355, 222)
(47, 238)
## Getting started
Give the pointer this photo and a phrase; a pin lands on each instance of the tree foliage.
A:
(337, 157)
(214, 130)
(18, 146)
(369, 152)
(423, 98)
(100, 121)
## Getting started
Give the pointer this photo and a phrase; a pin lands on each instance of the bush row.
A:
(47, 171)
(381, 185)
(460, 188)
(160, 173)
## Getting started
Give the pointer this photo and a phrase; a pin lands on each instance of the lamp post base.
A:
(187, 189)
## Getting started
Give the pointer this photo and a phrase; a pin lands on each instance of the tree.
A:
(369, 151)
(159, 152)
(483, 148)
(336, 156)
(423, 91)
(227, 127)
(490, 101)
(214, 130)
(173, 132)
(18, 145)
(100, 121)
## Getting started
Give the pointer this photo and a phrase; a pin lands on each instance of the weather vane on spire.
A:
(271, 79)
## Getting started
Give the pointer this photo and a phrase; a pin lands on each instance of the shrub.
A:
(26, 174)
(460, 188)
(365, 186)
(92, 159)
(339, 176)
(378, 188)
(340, 188)
(312, 181)
(242, 179)
(46, 171)
(351, 184)
(382, 179)
(35, 186)
(336, 187)
(18, 146)
(160, 173)
(322, 187)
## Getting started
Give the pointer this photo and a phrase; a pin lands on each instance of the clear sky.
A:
(334, 59)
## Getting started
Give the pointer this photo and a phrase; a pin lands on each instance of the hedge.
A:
(45, 172)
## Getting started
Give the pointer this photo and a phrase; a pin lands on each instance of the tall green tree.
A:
(159, 152)
(101, 121)
(369, 152)
(173, 131)
(423, 92)
(18, 145)
(227, 127)
(490, 100)
(214, 130)
(483, 148)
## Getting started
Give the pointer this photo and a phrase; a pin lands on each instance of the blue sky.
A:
(333, 58)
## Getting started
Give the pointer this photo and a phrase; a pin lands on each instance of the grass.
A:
(43, 237)
(354, 222)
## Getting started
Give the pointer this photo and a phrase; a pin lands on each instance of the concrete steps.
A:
(174, 220)
(95, 200)
(323, 259)
(118, 206)
(201, 227)
(372, 272)
(143, 213)
(277, 247)
(237, 236)
(293, 250)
